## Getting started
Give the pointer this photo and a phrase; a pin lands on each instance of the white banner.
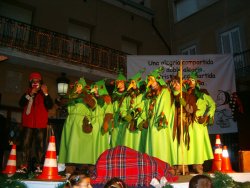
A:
(216, 73)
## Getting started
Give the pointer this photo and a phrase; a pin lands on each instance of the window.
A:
(138, 7)
(15, 12)
(79, 31)
(129, 47)
(145, 3)
(185, 8)
(191, 50)
(19, 13)
(230, 41)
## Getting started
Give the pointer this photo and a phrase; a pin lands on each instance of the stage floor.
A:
(181, 183)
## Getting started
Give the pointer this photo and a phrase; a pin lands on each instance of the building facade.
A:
(80, 38)
(91, 38)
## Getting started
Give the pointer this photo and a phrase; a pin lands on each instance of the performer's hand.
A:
(202, 119)
(182, 102)
(143, 125)
(34, 90)
(138, 110)
(128, 118)
(44, 89)
(211, 120)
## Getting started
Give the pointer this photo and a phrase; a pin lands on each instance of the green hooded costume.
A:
(160, 115)
(199, 105)
(76, 145)
(199, 136)
(204, 115)
(102, 119)
(133, 112)
(118, 98)
(178, 132)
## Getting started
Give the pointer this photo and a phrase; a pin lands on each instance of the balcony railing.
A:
(39, 41)
(242, 65)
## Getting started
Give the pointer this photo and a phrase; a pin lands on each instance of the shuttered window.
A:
(129, 47)
(191, 50)
(230, 41)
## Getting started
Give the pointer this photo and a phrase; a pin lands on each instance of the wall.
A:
(204, 26)
(14, 81)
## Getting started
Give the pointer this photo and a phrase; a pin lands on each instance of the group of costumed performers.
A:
(144, 115)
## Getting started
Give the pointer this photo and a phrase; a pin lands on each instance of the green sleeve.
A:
(205, 106)
(211, 106)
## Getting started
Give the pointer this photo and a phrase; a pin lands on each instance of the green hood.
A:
(121, 76)
(101, 87)
(138, 78)
(156, 74)
(82, 82)
(193, 75)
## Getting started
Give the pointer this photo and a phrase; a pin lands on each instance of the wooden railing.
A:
(39, 41)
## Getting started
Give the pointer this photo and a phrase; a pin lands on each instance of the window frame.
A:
(182, 5)
(188, 50)
(229, 34)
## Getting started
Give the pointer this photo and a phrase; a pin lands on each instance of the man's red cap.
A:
(35, 75)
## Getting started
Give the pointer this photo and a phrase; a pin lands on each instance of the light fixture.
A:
(62, 84)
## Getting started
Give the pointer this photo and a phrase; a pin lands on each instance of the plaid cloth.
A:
(134, 168)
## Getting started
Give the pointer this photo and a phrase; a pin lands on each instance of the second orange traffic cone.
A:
(226, 164)
(216, 166)
(50, 169)
(11, 164)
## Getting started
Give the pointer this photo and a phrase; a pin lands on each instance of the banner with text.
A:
(216, 73)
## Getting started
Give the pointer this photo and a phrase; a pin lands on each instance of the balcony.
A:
(37, 41)
(242, 68)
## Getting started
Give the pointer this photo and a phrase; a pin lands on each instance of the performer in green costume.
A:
(134, 113)
(203, 110)
(160, 114)
(181, 135)
(77, 140)
(118, 98)
(102, 120)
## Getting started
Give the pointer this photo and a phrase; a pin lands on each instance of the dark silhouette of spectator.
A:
(115, 183)
(78, 179)
(200, 181)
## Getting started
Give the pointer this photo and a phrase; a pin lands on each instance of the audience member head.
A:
(78, 180)
(115, 183)
(200, 181)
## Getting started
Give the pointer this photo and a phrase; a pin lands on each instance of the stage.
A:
(181, 183)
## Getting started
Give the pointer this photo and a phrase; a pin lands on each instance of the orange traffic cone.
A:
(216, 166)
(226, 164)
(50, 169)
(11, 164)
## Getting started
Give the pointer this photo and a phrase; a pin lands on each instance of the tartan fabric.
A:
(134, 168)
